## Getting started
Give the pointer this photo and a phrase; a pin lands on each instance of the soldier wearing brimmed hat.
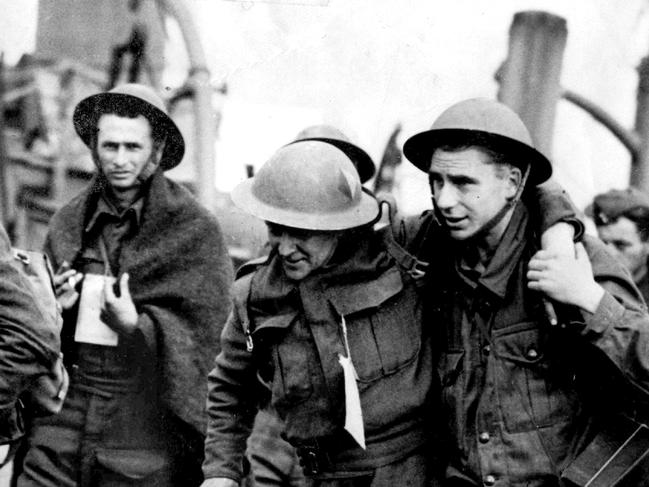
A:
(622, 220)
(517, 390)
(143, 278)
(327, 331)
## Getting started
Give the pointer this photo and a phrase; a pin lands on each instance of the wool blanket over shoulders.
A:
(180, 278)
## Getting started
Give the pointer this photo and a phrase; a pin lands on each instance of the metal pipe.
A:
(199, 81)
(530, 76)
(640, 160)
(628, 138)
(4, 158)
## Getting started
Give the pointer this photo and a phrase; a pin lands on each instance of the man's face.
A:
(301, 251)
(623, 239)
(124, 147)
(468, 191)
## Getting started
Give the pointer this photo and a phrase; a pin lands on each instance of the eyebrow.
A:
(462, 178)
(459, 178)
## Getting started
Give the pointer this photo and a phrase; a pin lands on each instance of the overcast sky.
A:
(365, 65)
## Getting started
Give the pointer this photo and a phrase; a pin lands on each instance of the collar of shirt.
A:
(496, 274)
(106, 209)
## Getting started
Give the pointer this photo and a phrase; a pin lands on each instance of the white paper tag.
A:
(353, 412)
(90, 328)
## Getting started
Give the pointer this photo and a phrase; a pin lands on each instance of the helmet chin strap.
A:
(152, 164)
(148, 170)
(497, 218)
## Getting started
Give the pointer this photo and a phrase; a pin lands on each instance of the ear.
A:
(513, 180)
(645, 245)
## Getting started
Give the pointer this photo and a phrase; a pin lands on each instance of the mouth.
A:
(292, 262)
(119, 174)
(454, 222)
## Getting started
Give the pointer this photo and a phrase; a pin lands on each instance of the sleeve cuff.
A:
(609, 311)
(554, 205)
(577, 225)
(214, 473)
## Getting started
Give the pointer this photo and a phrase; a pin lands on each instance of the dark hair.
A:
(497, 153)
(158, 133)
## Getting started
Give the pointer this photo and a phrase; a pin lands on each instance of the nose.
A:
(445, 197)
(121, 156)
(285, 244)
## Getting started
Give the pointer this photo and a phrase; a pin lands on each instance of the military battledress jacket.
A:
(29, 344)
(522, 397)
(289, 336)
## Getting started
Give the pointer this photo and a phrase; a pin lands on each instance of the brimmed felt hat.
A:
(326, 133)
(310, 185)
(495, 121)
(146, 101)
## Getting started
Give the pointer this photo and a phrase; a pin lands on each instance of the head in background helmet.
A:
(326, 133)
(309, 194)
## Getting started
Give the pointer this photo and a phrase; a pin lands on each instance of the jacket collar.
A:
(495, 276)
(105, 209)
(364, 279)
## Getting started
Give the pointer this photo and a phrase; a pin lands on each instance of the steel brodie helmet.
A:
(140, 97)
(310, 185)
(327, 133)
(496, 121)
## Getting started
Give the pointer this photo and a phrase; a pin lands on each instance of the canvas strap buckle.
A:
(313, 458)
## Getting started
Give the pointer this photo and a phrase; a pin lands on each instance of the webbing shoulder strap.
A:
(241, 292)
(406, 251)
(408, 261)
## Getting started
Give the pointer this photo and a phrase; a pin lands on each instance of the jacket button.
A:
(486, 349)
(489, 480)
(532, 354)
(484, 437)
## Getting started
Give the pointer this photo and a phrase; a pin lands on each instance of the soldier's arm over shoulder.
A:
(553, 205)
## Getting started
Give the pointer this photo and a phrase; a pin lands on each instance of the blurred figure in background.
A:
(327, 133)
(622, 220)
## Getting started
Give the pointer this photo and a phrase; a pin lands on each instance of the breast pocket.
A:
(386, 339)
(288, 347)
(532, 391)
